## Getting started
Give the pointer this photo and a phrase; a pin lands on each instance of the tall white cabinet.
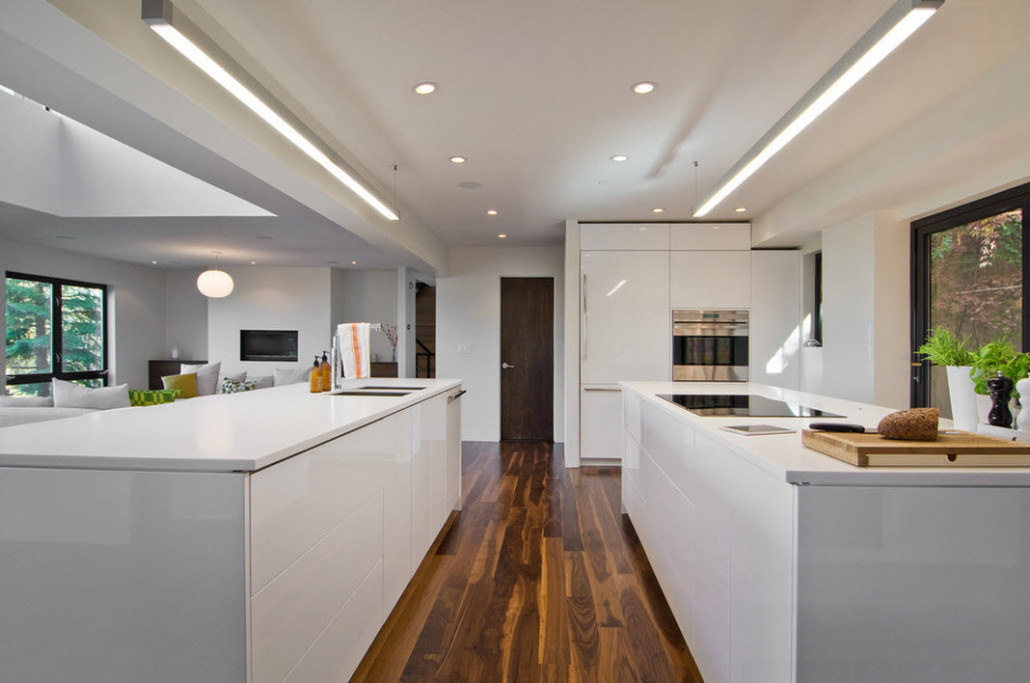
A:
(624, 325)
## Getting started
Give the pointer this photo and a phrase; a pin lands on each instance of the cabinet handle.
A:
(601, 389)
(584, 316)
(451, 399)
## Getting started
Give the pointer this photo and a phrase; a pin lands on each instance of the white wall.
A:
(865, 354)
(185, 315)
(848, 309)
(891, 311)
(271, 299)
(366, 296)
(136, 303)
(406, 283)
(469, 313)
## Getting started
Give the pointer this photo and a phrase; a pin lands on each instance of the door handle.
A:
(505, 366)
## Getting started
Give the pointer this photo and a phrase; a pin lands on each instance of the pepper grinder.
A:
(1000, 388)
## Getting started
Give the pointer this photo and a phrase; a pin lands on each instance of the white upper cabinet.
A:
(624, 316)
(711, 279)
(624, 236)
(710, 236)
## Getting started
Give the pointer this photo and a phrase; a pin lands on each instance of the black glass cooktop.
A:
(741, 405)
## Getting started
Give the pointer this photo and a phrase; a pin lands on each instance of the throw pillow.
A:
(207, 376)
(236, 377)
(263, 381)
(71, 395)
(152, 397)
(26, 401)
(232, 386)
(186, 384)
(291, 375)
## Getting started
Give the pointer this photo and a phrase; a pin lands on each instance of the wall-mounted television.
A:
(269, 345)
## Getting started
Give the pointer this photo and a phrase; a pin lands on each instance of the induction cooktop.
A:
(741, 405)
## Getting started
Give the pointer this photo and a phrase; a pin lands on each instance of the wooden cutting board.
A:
(951, 449)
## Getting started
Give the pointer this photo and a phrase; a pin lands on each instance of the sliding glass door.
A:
(969, 276)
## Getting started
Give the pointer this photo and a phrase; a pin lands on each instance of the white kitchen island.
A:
(783, 564)
(256, 537)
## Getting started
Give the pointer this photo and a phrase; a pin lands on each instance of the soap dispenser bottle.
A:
(316, 377)
(326, 370)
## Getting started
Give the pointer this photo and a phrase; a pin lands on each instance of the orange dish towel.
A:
(353, 340)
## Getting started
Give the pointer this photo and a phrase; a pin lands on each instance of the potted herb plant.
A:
(943, 347)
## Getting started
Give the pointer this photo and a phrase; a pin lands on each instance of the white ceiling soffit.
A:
(56, 165)
(52, 58)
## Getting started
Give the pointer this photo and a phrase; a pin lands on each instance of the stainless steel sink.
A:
(371, 392)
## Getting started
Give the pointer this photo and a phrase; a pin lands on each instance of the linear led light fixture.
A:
(158, 14)
(892, 29)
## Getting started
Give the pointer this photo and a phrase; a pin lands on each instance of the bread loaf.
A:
(917, 424)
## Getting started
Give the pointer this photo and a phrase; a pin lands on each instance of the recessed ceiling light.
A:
(740, 209)
(154, 262)
(491, 212)
(354, 263)
(644, 87)
(501, 236)
(620, 157)
(253, 263)
(657, 209)
(458, 160)
(425, 88)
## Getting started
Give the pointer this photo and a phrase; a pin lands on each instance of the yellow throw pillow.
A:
(186, 384)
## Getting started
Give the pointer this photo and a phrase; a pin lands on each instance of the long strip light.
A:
(900, 22)
(157, 16)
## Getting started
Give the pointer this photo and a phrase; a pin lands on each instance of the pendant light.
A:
(215, 283)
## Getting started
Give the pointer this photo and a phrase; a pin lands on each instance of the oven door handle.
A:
(688, 330)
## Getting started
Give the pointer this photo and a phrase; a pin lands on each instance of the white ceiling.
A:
(536, 94)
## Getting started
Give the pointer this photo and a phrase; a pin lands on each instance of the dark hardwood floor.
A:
(539, 578)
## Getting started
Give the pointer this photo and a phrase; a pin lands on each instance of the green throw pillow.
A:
(152, 397)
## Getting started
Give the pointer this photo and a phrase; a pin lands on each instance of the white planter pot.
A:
(1023, 419)
(963, 398)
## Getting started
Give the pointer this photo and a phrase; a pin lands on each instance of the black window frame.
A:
(922, 229)
(56, 333)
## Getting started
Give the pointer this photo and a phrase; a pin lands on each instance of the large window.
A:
(969, 276)
(55, 328)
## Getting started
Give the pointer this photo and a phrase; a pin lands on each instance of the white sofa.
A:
(10, 416)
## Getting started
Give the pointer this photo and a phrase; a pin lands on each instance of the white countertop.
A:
(223, 433)
(783, 455)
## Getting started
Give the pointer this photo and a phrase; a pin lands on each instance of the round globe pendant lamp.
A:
(215, 283)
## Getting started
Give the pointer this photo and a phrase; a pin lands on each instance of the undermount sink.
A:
(370, 392)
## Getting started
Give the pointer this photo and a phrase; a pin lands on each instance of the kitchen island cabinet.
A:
(257, 537)
(783, 564)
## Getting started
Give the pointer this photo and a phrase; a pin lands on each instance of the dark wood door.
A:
(527, 358)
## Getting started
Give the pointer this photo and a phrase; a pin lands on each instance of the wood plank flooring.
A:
(539, 578)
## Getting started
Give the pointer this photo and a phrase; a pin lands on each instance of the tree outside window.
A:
(55, 328)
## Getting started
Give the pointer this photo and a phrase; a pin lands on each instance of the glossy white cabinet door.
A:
(600, 418)
(624, 236)
(913, 584)
(776, 318)
(710, 237)
(454, 450)
(429, 482)
(122, 577)
(624, 316)
(711, 279)
(295, 608)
